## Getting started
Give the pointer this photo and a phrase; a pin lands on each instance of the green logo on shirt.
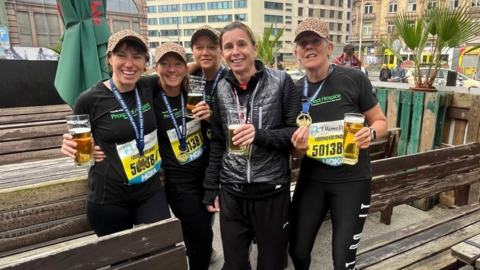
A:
(326, 99)
(119, 114)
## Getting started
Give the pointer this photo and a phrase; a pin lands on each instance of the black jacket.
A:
(275, 103)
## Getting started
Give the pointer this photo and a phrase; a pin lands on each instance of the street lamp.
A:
(361, 30)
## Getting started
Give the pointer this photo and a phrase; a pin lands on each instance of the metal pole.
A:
(3, 14)
(178, 32)
(275, 47)
(361, 30)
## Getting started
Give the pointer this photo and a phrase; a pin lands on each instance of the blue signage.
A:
(4, 38)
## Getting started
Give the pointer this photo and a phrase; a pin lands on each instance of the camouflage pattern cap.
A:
(315, 25)
(125, 35)
(167, 47)
(205, 30)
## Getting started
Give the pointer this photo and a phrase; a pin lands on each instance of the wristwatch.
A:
(373, 134)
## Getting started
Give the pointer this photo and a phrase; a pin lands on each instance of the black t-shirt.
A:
(167, 138)
(345, 90)
(110, 129)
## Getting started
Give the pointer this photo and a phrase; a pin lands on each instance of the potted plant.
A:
(437, 26)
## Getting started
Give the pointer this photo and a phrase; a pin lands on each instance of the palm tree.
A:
(57, 48)
(267, 47)
(438, 26)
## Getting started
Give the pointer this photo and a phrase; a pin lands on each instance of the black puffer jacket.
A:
(275, 104)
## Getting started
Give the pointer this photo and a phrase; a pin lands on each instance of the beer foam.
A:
(79, 130)
(233, 126)
(195, 95)
(354, 119)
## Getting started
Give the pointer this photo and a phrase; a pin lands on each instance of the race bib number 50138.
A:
(326, 142)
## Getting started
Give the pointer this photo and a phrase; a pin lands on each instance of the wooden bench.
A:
(399, 180)
(32, 133)
(152, 246)
(468, 252)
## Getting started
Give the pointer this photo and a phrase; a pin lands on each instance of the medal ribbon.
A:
(139, 138)
(243, 119)
(214, 86)
(182, 136)
(306, 104)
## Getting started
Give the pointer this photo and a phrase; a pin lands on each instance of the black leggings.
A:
(348, 204)
(111, 218)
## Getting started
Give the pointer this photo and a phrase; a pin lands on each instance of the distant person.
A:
(398, 72)
(348, 58)
(385, 73)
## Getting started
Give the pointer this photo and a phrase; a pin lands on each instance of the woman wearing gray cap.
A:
(326, 182)
(124, 126)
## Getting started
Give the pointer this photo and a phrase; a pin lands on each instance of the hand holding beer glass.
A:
(353, 123)
(79, 128)
(195, 94)
(234, 119)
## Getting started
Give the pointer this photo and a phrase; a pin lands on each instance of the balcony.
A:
(369, 38)
(369, 16)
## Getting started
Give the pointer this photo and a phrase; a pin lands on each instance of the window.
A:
(220, 5)
(273, 18)
(390, 27)
(153, 33)
(123, 6)
(339, 27)
(348, 15)
(412, 6)
(339, 38)
(120, 25)
(300, 11)
(220, 18)
(240, 4)
(191, 7)
(188, 32)
(273, 5)
(349, 4)
(152, 21)
(453, 4)
(310, 1)
(194, 19)
(348, 28)
(136, 27)
(340, 15)
(475, 3)
(340, 3)
(331, 26)
(322, 2)
(432, 3)
(169, 8)
(332, 14)
(48, 29)
(170, 33)
(154, 44)
(392, 7)
(170, 20)
(24, 29)
(322, 13)
(330, 37)
(300, 1)
(152, 9)
(241, 17)
(367, 29)
(310, 12)
(332, 2)
(288, 9)
(288, 4)
(288, 17)
(368, 9)
(288, 30)
(275, 31)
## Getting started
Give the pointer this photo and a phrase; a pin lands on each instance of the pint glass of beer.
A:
(234, 122)
(195, 93)
(353, 123)
(79, 128)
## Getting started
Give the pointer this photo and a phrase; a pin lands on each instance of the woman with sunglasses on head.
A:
(124, 126)
(325, 182)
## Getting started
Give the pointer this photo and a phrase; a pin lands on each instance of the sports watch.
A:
(373, 134)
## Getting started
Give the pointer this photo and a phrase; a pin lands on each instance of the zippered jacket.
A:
(275, 104)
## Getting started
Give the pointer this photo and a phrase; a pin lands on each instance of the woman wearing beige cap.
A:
(250, 189)
(326, 182)
(124, 125)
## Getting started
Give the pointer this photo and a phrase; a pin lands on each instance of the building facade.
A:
(36, 23)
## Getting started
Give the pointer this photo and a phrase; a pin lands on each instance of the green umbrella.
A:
(82, 59)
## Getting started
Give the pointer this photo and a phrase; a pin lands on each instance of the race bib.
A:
(326, 142)
(140, 168)
(194, 141)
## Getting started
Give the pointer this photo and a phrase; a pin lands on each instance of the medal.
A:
(142, 162)
(183, 156)
(304, 120)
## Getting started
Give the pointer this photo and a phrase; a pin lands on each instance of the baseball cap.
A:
(125, 35)
(205, 30)
(167, 47)
(315, 25)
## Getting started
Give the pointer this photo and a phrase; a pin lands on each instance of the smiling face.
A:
(127, 63)
(239, 52)
(313, 51)
(206, 53)
(172, 70)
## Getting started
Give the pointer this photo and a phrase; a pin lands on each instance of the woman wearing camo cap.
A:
(325, 182)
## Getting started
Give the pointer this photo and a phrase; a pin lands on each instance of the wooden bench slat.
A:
(392, 165)
(171, 259)
(34, 109)
(441, 261)
(466, 252)
(14, 119)
(32, 132)
(23, 157)
(432, 234)
(412, 256)
(29, 144)
(104, 250)
(33, 124)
